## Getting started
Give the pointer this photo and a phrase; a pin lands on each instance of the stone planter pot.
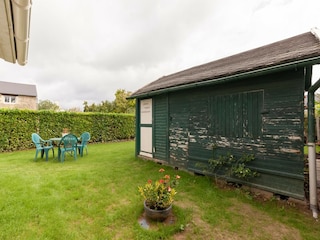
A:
(157, 215)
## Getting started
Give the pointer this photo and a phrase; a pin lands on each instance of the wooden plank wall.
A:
(261, 116)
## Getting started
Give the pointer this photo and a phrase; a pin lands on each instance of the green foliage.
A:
(91, 198)
(159, 194)
(18, 125)
(96, 197)
(119, 105)
(104, 106)
(231, 166)
(317, 109)
(317, 105)
(47, 105)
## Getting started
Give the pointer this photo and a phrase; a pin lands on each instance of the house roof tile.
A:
(18, 89)
(294, 49)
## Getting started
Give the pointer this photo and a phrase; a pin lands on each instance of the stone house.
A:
(18, 96)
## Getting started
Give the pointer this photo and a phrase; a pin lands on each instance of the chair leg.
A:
(46, 151)
(36, 156)
(80, 150)
(59, 154)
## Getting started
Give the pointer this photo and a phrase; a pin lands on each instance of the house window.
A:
(10, 99)
(237, 115)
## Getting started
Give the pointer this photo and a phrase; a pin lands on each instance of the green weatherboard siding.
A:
(160, 140)
(261, 116)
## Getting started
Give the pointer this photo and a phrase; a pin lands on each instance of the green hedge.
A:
(18, 125)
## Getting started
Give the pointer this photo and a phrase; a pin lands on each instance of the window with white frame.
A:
(9, 99)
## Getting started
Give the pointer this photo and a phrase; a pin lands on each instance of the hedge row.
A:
(18, 125)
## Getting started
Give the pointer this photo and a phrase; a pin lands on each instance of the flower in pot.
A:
(159, 195)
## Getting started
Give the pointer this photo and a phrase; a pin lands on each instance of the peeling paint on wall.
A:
(263, 117)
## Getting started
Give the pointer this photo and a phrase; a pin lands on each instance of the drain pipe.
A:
(312, 151)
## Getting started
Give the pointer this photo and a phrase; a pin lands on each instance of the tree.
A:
(106, 106)
(86, 107)
(48, 105)
(119, 105)
(74, 109)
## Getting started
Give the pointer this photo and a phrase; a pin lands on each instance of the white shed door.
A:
(146, 127)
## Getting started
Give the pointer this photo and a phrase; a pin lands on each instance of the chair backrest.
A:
(36, 139)
(85, 137)
(68, 142)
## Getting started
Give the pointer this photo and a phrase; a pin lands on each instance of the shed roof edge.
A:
(316, 32)
(256, 72)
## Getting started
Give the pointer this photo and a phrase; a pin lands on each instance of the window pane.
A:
(10, 99)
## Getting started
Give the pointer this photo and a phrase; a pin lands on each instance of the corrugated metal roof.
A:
(292, 50)
(18, 89)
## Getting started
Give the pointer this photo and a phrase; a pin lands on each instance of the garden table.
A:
(55, 140)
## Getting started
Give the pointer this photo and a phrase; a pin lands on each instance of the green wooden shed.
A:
(248, 103)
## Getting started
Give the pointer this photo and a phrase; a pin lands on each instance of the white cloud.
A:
(86, 50)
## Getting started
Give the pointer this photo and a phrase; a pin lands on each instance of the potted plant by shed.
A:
(158, 196)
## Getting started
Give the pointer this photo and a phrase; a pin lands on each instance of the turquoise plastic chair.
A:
(42, 146)
(84, 138)
(67, 144)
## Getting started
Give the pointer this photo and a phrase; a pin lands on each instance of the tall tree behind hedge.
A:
(119, 105)
(48, 105)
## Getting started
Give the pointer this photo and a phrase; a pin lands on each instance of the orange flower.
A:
(159, 193)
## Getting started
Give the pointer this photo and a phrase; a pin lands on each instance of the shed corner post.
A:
(137, 149)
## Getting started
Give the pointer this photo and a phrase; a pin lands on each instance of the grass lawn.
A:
(96, 197)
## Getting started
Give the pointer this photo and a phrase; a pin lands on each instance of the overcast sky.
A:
(84, 50)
